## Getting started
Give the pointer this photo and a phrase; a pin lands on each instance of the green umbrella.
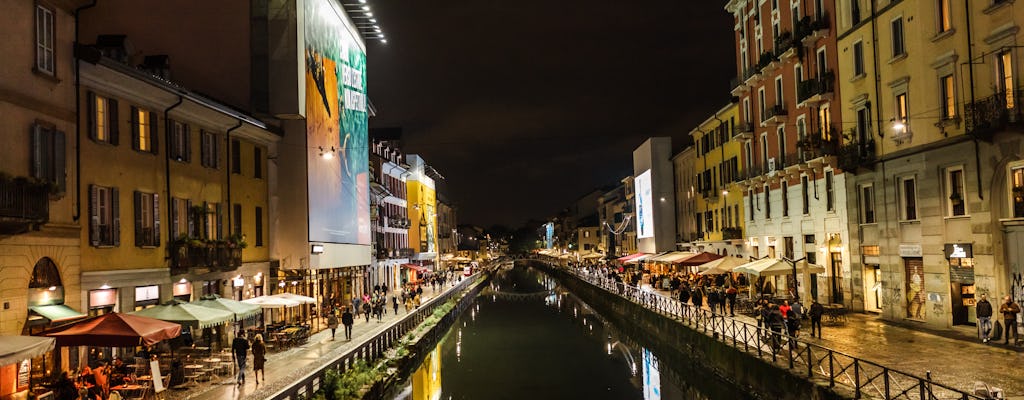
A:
(187, 314)
(239, 309)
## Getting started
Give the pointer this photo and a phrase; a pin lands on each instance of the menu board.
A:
(158, 382)
(23, 372)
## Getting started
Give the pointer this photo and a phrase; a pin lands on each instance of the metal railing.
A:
(372, 350)
(865, 378)
(22, 200)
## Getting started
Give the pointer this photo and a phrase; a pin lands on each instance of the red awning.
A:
(114, 330)
(633, 258)
(702, 258)
(415, 267)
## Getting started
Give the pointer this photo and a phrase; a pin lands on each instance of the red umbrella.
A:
(114, 330)
(699, 259)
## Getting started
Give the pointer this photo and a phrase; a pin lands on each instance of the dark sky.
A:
(525, 106)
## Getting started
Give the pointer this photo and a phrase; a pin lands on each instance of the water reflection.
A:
(527, 337)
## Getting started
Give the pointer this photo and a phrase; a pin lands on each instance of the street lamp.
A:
(792, 263)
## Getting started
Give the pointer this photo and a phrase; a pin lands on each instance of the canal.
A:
(527, 337)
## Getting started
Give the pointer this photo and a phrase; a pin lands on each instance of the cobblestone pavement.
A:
(286, 367)
(955, 357)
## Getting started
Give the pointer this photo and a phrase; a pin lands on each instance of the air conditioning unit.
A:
(771, 164)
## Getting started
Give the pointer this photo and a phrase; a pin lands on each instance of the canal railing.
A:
(373, 349)
(813, 361)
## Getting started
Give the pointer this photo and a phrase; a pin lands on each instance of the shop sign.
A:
(102, 297)
(23, 371)
(961, 274)
(144, 293)
(910, 250)
(959, 250)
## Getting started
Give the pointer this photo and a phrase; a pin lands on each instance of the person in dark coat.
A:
(697, 296)
(984, 312)
(259, 357)
(239, 349)
(776, 323)
(347, 320)
(815, 312)
(713, 299)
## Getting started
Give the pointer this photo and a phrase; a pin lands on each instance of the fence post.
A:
(856, 377)
(885, 379)
(831, 370)
(810, 360)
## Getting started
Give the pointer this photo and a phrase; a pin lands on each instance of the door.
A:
(914, 268)
(836, 280)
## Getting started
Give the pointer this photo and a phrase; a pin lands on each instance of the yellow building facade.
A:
(422, 201)
(174, 189)
(717, 189)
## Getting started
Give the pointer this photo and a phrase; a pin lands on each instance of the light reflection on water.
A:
(526, 337)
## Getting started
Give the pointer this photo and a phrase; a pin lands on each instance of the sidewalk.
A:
(953, 357)
(286, 367)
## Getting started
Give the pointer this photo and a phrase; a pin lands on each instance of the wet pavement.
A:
(287, 366)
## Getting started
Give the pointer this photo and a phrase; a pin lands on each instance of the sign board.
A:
(23, 372)
(644, 205)
(158, 382)
(910, 250)
(961, 274)
(959, 250)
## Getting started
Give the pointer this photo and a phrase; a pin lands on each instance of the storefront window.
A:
(182, 290)
(146, 296)
(102, 301)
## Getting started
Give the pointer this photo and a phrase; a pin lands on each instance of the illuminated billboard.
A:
(644, 207)
(336, 127)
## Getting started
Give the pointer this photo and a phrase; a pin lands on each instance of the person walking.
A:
(332, 322)
(347, 320)
(697, 296)
(815, 313)
(240, 348)
(730, 297)
(394, 303)
(259, 357)
(984, 312)
(367, 310)
(1009, 310)
(793, 317)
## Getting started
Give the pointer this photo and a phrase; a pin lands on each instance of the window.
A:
(780, 135)
(102, 118)
(897, 38)
(854, 12)
(257, 164)
(764, 150)
(946, 94)
(901, 110)
(822, 63)
(863, 126)
(908, 199)
(858, 58)
(212, 223)
(48, 151)
(1017, 191)
(778, 91)
(956, 204)
(144, 132)
(236, 215)
(1004, 82)
(830, 195)
(208, 152)
(181, 139)
(767, 202)
(944, 19)
(867, 204)
(182, 221)
(785, 199)
(750, 196)
(147, 219)
(45, 34)
(236, 156)
(805, 194)
(104, 218)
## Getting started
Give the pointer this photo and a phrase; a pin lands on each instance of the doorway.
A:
(836, 284)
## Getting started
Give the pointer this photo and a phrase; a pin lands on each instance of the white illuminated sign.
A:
(644, 206)
(318, 249)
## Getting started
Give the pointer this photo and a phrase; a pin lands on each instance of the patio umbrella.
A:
(777, 267)
(187, 314)
(698, 259)
(114, 330)
(720, 266)
(295, 297)
(14, 349)
(275, 302)
(240, 309)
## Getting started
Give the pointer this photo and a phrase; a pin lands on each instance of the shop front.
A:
(961, 282)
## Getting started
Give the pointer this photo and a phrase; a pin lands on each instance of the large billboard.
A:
(336, 127)
(644, 206)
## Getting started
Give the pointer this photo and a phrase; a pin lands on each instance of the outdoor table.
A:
(129, 390)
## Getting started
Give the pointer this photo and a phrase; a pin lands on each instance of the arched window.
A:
(45, 274)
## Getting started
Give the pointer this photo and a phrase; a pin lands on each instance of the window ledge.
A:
(1012, 221)
(910, 221)
(942, 35)
(966, 216)
(858, 77)
(45, 75)
(898, 58)
(996, 6)
(868, 224)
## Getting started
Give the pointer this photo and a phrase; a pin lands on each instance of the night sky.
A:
(525, 106)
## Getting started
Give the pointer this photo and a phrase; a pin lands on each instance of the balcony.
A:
(188, 254)
(744, 131)
(751, 75)
(732, 233)
(985, 117)
(775, 115)
(405, 252)
(819, 144)
(24, 204)
(853, 156)
(815, 91)
(787, 46)
(738, 87)
(815, 29)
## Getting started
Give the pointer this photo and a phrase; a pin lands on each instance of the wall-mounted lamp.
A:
(327, 154)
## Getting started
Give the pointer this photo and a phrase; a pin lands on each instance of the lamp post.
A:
(793, 264)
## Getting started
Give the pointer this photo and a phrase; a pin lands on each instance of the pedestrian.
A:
(730, 296)
(332, 322)
(367, 310)
(713, 299)
(697, 296)
(347, 320)
(355, 305)
(408, 304)
(239, 348)
(815, 313)
(1009, 310)
(394, 303)
(259, 357)
(776, 322)
(795, 314)
(984, 313)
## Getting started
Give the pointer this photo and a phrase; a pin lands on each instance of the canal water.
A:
(525, 337)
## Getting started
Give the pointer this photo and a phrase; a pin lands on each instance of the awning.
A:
(114, 330)
(672, 257)
(720, 266)
(240, 309)
(266, 302)
(57, 312)
(414, 267)
(698, 259)
(295, 297)
(591, 256)
(187, 314)
(632, 258)
(775, 267)
(14, 349)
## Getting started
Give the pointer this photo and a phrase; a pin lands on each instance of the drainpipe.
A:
(227, 138)
(78, 111)
(167, 162)
(970, 74)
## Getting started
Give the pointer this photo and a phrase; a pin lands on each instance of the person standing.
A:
(367, 310)
(730, 296)
(240, 348)
(815, 313)
(332, 322)
(1009, 310)
(347, 320)
(394, 303)
(259, 357)
(984, 312)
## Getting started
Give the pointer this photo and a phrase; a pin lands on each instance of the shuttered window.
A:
(209, 150)
(101, 115)
(104, 216)
(48, 156)
(144, 131)
(147, 219)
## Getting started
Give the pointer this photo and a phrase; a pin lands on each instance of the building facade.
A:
(422, 200)
(683, 168)
(718, 192)
(391, 215)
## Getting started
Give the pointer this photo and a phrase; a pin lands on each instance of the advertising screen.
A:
(652, 377)
(549, 235)
(644, 207)
(336, 128)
